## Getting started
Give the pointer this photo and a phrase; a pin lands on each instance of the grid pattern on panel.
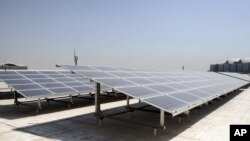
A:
(172, 91)
(41, 84)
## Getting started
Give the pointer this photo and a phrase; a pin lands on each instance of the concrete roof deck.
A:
(57, 122)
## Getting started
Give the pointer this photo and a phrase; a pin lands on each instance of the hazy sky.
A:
(129, 33)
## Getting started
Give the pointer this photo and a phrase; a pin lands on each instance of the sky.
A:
(158, 34)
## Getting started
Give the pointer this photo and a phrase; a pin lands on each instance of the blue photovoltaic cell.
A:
(115, 82)
(162, 88)
(7, 72)
(52, 85)
(35, 76)
(105, 68)
(141, 81)
(26, 86)
(62, 90)
(64, 79)
(178, 86)
(49, 72)
(141, 74)
(36, 93)
(57, 76)
(18, 81)
(84, 89)
(167, 103)
(96, 74)
(122, 74)
(158, 80)
(82, 79)
(44, 80)
(86, 68)
(186, 97)
(28, 72)
(7, 77)
(139, 92)
(71, 84)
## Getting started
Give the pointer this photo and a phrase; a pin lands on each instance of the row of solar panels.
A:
(171, 91)
(42, 84)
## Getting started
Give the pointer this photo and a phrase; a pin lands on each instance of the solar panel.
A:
(171, 91)
(41, 84)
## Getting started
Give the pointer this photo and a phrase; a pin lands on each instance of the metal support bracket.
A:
(98, 112)
(162, 119)
(128, 101)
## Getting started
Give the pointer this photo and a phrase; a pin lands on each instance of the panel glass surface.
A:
(44, 80)
(115, 82)
(122, 74)
(49, 72)
(139, 92)
(52, 85)
(64, 79)
(71, 84)
(106, 69)
(7, 72)
(62, 90)
(7, 77)
(18, 81)
(26, 86)
(57, 76)
(140, 81)
(162, 88)
(36, 93)
(186, 97)
(167, 103)
(96, 74)
(70, 67)
(35, 76)
(84, 89)
(178, 86)
(158, 80)
(28, 72)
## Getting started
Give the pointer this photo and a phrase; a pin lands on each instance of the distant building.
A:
(233, 65)
(11, 66)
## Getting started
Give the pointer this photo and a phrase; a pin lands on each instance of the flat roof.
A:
(210, 123)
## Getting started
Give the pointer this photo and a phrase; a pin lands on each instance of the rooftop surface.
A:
(58, 122)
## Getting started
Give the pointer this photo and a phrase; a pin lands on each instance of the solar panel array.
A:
(172, 91)
(42, 84)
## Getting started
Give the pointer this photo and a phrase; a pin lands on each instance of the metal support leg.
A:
(15, 99)
(97, 104)
(187, 113)
(162, 119)
(155, 131)
(206, 104)
(116, 95)
(39, 104)
(179, 119)
(47, 102)
(71, 99)
(128, 101)
(195, 111)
